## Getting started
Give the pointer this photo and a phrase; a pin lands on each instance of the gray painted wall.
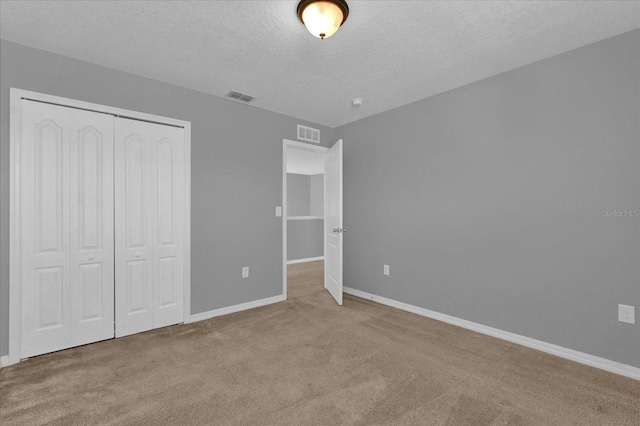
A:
(298, 194)
(317, 195)
(236, 171)
(305, 238)
(487, 201)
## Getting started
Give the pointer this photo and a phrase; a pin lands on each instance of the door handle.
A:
(91, 257)
(138, 255)
(336, 230)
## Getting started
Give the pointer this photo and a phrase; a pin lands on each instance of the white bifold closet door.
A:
(66, 196)
(101, 226)
(149, 237)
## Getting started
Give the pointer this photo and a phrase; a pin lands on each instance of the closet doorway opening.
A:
(312, 215)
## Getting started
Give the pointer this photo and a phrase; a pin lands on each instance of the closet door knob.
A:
(91, 257)
(138, 254)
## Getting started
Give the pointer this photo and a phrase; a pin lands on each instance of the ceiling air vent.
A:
(308, 134)
(240, 96)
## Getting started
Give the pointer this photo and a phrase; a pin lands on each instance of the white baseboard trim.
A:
(570, 354)
(308, 259)
(236, 308)
(4, 361)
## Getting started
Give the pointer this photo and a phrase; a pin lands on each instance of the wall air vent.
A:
(308, 134)
(240, 96)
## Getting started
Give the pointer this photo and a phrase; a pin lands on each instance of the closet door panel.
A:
(168, 225)
(63, 303)
(149, 225)
(92, 277)
(133, 175)
(45, 257)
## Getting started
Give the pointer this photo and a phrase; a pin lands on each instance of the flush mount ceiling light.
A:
(323, 17)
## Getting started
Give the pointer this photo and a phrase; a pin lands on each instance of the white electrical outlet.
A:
(245, 272)
(386, 269)
(627, 314)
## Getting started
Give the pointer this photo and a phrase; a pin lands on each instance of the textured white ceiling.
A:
(388, 52)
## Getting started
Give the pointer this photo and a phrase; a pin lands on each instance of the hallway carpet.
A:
(308, 361)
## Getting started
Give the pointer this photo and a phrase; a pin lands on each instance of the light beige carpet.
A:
(307, 361)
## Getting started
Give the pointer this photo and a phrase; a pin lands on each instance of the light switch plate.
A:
(245, 272)
(278, 211)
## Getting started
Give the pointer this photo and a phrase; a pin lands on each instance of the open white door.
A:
(333, 222)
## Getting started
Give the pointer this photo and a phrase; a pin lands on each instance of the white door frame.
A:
(305, 147)
(15, 284)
